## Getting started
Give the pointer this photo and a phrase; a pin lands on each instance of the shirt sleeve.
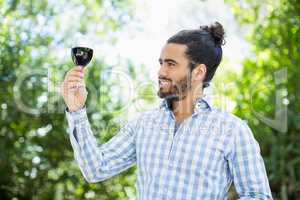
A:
(99, 162)
(247, 166)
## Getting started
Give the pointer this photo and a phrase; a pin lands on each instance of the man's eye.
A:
(170, 64)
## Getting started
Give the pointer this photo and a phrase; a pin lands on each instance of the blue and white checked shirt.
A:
(210, 150)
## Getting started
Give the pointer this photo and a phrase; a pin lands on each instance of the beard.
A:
(176, 91)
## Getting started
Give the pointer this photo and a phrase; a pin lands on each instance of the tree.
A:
(267, 89)
(36, 159)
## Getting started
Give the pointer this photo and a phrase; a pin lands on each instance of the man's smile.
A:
(163, 83)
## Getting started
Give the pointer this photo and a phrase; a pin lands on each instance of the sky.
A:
(158, 20)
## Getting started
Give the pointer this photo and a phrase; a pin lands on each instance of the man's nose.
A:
(162, 72)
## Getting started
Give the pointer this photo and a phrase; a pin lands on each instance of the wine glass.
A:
(81, 55)
(81, 52)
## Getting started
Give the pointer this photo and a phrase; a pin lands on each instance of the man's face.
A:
(174, 74)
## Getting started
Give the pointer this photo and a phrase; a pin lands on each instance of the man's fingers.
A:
(78, 69)
(71, 85)
(72, 82)
(75, 87)
(76, 73)
(78, 89)
(74, 79)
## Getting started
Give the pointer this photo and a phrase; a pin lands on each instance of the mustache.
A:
(164, 78)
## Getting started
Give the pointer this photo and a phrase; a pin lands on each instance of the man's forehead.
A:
(172, 50)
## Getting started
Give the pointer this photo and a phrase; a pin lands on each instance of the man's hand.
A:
(73, 89)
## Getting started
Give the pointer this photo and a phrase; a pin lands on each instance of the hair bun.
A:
(217, 32)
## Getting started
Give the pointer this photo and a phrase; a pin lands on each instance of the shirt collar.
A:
(201, 104)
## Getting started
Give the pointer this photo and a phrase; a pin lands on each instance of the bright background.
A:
(258, 80)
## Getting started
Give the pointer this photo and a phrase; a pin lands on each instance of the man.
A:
(185, 149)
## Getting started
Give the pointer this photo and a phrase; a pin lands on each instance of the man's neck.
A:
(184, 108)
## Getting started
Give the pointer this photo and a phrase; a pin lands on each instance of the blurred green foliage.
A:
(268, 83)
(36, 159)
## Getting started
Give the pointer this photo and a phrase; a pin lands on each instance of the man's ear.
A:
(199, 72)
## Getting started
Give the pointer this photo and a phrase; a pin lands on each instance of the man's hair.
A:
(203, 47)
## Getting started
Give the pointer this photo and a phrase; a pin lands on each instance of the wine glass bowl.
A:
(81, 56)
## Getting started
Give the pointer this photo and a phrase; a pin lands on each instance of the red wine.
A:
(81, 55)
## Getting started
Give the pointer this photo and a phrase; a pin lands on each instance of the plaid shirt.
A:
(200, 160)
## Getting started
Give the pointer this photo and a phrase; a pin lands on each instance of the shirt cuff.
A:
(76, 117)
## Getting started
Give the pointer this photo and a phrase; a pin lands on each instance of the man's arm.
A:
(96, 162)
(247, 166)
(99, 162)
